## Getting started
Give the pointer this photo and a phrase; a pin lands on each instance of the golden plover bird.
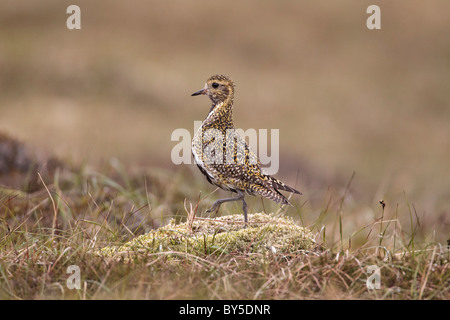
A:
(223, 156)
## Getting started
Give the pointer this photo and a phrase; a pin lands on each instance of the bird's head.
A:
(218, 88)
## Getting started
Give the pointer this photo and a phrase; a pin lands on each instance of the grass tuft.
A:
(152, 243)
(223, 235)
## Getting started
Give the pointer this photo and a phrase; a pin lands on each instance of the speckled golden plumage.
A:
(234, 168)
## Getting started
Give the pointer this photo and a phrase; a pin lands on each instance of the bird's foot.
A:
(213, 209)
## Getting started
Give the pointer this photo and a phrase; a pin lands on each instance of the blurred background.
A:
(345, 98)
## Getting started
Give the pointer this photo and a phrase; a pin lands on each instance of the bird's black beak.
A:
(203, 91)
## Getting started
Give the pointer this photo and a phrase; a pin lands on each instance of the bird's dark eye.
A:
(215, 85)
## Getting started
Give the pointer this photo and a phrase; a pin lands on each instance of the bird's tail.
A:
(278, 185)
(270, 190)
(269, 193)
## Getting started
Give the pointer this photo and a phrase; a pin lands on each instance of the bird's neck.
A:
(220, 115)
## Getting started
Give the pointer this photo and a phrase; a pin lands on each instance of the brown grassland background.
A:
(347, 100)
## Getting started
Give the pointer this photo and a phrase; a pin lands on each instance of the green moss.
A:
(221, 235)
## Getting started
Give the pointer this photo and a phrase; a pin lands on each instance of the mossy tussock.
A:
(222, 235)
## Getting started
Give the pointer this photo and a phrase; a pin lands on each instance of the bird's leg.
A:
(244, 208)
(219, 202)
